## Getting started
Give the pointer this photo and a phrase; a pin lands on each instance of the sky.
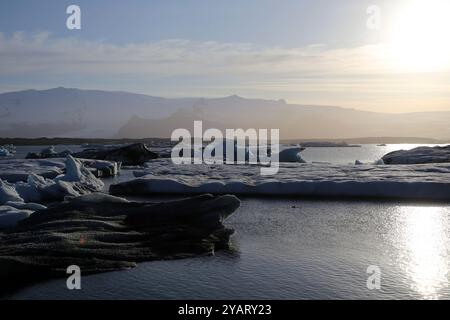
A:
(304, 51)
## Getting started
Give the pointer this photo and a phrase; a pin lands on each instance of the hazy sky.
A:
(305, 51)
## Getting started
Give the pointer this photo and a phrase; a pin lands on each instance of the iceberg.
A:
(378, 162)
(419, 155)
(293, 179)
(48, 152)
(15, 170)
(129, 155)
(4, 152)
(8, 193)
(291, 155)
(78, 180)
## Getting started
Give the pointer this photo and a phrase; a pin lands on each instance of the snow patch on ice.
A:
(8, 193)
(96, 197)
(77, 181)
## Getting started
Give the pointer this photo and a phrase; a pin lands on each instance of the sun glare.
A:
(420, 36)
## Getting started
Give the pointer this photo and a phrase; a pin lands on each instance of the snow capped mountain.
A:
(62, 112)
(77, 113)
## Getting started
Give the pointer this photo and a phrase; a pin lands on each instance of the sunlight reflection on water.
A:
(423, 234)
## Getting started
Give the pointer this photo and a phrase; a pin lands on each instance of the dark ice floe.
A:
(128, 155)
(419, 155)
(99, 233)
(293, 179)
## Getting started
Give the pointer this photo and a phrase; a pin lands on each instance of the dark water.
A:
(295, 249)
(339, 155)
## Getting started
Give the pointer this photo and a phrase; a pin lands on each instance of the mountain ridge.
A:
(72, 112)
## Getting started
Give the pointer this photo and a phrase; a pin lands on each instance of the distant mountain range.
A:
(63, 112)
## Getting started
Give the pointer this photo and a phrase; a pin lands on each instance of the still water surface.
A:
(296, 249)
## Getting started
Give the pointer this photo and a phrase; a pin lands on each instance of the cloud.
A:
(364, 77)
(23, 54)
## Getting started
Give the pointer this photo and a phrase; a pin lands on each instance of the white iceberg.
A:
(15, 170)
(378, 162)
(77, 181)
(8, 193)
(4, 152)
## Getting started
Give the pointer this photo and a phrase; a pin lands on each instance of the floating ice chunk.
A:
(77, 181)
(4, 152)
(10, 217)
(419, 155)
(291, 155)
(7, 150)
(49, 151)
(8, 193)
(14, 170)
(96, 197)
(73, 171)
(76, 172)
(134, 154)
(379, 162)
(36, 189)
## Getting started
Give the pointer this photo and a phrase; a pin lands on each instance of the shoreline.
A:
(42, 141)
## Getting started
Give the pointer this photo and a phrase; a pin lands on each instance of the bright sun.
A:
(420, 36)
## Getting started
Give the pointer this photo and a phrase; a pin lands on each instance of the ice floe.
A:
(129, 155)
(8, 193)
(378, 162)
(15, 170)
(107, 236)
(293, 179)
(48, 152)
(419, 155)
(291, 155)
(77, 181)
(4, 152)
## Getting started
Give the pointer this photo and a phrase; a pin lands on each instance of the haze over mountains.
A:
(63, 112)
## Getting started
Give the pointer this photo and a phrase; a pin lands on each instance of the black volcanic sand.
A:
(107, 236)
